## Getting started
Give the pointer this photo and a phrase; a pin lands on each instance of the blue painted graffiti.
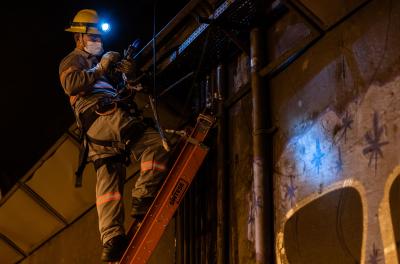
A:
(290, 191)
(318, 156)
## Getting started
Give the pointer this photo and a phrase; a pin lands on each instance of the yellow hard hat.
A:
(85, 21)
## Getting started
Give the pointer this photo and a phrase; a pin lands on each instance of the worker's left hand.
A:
(127, 66)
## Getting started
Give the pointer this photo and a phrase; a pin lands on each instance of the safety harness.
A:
(107, 106)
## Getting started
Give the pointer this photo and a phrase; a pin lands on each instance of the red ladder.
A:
(170, 195)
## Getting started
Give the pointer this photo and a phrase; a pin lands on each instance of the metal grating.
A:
(223, 36)
(238, 15)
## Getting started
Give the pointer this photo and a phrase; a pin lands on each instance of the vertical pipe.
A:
(222, 184)
(192, 224)
(186, 224)
(259, 126)
(179, 232)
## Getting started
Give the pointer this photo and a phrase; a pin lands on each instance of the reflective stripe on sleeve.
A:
(152, 165)
(111, 196)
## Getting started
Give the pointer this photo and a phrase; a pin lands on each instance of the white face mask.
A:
(94, 48)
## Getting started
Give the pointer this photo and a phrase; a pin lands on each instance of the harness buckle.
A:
(106, 109)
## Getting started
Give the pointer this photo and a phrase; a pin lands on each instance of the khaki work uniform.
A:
(80, 82)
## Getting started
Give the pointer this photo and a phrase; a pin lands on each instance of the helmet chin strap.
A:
(82, 41)
(79, 42)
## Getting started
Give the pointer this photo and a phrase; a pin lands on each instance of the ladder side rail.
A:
(161, 212)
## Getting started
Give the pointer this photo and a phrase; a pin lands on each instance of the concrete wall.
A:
(240, 167)
(336, 151)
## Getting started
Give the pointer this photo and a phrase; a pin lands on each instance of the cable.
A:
(153, 98)
(154, 52)
(339, 227)
(196, 73)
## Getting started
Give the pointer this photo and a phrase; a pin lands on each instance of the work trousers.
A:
(147, 150)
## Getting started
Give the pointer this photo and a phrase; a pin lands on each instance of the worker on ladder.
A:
(114, 131)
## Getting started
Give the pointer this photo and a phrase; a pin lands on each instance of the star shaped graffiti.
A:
(373, 138)
(290, 191)
(318, 156)
(347, 121)
(251, 218)
(255, 205)
(374, 257)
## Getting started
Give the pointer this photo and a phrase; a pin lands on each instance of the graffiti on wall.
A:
(374, 143)
(359, 146)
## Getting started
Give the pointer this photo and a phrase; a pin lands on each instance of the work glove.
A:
(107, 60)
(128, 67)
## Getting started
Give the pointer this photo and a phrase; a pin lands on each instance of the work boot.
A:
(140, 206)
(114, 248)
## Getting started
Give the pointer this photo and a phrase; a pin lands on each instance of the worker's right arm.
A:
(76, 78)
(74, 75)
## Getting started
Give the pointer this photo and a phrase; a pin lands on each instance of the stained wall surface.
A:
(336, 162)
(336, 150)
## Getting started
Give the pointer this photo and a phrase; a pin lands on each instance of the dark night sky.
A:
(35, 112)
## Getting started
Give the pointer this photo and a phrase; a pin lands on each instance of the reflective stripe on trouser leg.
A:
(153, 168)
(109, 200)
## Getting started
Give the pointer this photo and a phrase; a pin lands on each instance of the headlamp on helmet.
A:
(87, 21)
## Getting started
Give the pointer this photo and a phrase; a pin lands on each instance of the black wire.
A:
(339, 226)
(196, 73)
(154, 53)
(153, 99)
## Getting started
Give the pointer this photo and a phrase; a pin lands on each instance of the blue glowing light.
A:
(315, 156)
(105, 27)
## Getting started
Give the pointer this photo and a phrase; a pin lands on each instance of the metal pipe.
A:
(191, 224)
(179, 235)
(261, 184)
(222, 180)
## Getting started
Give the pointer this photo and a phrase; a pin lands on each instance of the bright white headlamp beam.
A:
(105, 27)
